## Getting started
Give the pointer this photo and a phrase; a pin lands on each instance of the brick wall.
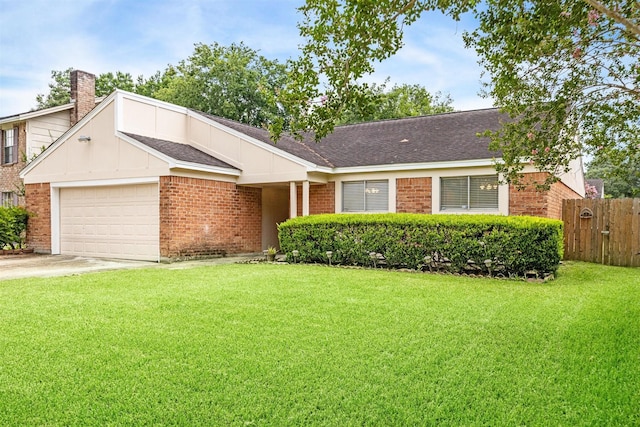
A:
(322, 199)
(558, 192)
(83, 92)
(413, 195)
(201, 217)
(38, 198)
(530, 201)
(9, 173)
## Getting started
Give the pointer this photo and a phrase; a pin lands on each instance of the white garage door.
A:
(110, 222)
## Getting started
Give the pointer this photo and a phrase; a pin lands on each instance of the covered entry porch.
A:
(281, 201)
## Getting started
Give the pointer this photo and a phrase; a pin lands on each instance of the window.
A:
(365, 196)
(9, 146)
(9, 199)
(469, 193)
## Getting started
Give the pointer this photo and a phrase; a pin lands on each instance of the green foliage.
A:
(566, 71)
(343, 40)
(514, 245)
(233, 82)
(60, 88)
(108, 82)
(398, 102)
(569, 75)
(621, 176)
(13, 226)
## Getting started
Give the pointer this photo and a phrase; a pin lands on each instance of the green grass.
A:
(311, 345)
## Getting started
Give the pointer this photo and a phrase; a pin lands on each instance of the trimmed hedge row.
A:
(13, 226)
(514, 245)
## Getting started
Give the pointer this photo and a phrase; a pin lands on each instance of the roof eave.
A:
(198, 167)
(415, 166)
(36, 113)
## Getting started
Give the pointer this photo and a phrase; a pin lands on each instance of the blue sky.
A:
(143, 36)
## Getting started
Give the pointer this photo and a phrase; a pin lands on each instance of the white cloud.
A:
(142, 37)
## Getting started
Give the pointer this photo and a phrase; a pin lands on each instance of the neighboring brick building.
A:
(24, 136)
(142, 179)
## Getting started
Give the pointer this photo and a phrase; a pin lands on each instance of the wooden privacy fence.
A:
(605, 231)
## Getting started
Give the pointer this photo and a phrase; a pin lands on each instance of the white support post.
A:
(55, 220)
(293, 200)
(305, 198)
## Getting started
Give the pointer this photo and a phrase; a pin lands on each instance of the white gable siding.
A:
(43, 131)
(104, 157)
(152, 119)
(259, 165)
(574, 179)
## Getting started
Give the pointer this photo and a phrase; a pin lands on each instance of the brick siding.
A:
(38, 198)
(557, 193)
(530, 201)
(83, 91)
(413, 195)
(9, 174)
(202, 217)
(322, 199)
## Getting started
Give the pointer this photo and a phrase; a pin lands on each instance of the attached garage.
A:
(119, 221)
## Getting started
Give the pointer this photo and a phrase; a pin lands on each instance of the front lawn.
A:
(311, 345)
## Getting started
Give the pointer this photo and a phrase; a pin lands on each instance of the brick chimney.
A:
(83, 94)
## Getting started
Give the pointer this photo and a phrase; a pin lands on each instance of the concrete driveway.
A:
(34, 265)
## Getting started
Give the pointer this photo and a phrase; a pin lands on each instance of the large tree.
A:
(620, 180)
(566, 71)
(570, 76)
(233, 82)
(400, 101)
(60, 87)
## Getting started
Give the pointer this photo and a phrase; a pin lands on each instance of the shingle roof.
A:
(181, 152)
(437, 138)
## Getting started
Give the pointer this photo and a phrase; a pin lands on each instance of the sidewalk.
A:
(34, 265)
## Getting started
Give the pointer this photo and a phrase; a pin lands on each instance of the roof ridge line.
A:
(308, 147)
(422, 116)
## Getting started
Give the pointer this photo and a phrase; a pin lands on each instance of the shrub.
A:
(455, 243)
(13, 226)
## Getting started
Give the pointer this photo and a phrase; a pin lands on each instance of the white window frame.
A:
(8, 199)
(8, 155)
(373, 188)
(467, 206)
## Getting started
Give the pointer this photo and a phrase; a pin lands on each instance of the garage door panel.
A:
(113, 222)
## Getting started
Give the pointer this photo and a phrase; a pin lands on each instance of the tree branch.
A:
(631, 27)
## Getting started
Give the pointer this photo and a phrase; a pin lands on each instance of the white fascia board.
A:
(37, 113)
(62, 138)
(177, 164)
(205, 168)
(415, 166)
(106, 182)
(155, 102)
(311, 167)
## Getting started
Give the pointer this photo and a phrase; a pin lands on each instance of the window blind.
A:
(453, 193)
(469, 192)
(353, 196)
(483, 192)
(365, 196)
